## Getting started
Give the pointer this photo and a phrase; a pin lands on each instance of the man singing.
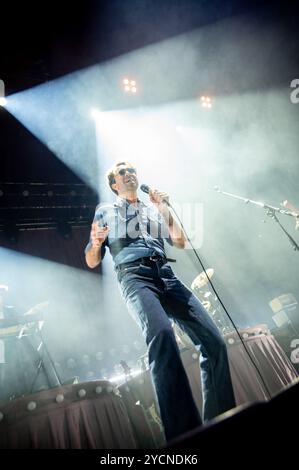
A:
(135, 233)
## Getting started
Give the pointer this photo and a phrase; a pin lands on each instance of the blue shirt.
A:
(136, 231)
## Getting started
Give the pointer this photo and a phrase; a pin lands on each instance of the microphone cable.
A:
(218, 297)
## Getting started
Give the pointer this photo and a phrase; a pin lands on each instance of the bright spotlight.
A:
(129, 85)
(3, 101)
(206, 101)
(95, 113)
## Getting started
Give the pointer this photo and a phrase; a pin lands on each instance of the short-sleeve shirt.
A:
(136, 231)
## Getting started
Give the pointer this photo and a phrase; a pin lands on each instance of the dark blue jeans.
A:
(153, 294)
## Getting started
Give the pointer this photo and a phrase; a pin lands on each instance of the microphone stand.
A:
(221, 303)
(270, 211)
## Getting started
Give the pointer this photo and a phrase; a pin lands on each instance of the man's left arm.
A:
(175, 230)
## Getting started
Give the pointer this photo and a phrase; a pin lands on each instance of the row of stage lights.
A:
(112, 352)
(129, 87)
(116, 372)
(50, 193)
(90, 367)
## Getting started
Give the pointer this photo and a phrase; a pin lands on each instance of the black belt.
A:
(147, 261)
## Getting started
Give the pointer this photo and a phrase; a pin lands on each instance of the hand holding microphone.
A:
(156, 197)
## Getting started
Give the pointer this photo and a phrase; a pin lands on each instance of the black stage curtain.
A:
(51, 245)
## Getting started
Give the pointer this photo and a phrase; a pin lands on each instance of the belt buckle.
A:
(155, 258)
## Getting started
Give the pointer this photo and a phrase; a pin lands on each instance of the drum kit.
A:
(209, 300)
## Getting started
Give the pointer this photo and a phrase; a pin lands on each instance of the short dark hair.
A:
(111, 174)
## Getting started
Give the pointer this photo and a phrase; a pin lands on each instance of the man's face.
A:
(125, 179)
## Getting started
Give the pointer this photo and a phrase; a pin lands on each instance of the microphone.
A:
(146, 189)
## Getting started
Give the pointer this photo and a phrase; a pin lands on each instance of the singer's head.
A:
(122, 180)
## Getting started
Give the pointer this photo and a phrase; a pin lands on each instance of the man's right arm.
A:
(97, 237)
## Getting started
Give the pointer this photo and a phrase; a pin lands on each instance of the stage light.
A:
(95, 113)
(85, 359)
(206, 102)
(120, 378)
(90, 374)
(71, 363)
(3, 102)
(99, 356)
(129, 85)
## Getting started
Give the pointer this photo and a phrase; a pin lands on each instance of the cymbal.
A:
(202, 279)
